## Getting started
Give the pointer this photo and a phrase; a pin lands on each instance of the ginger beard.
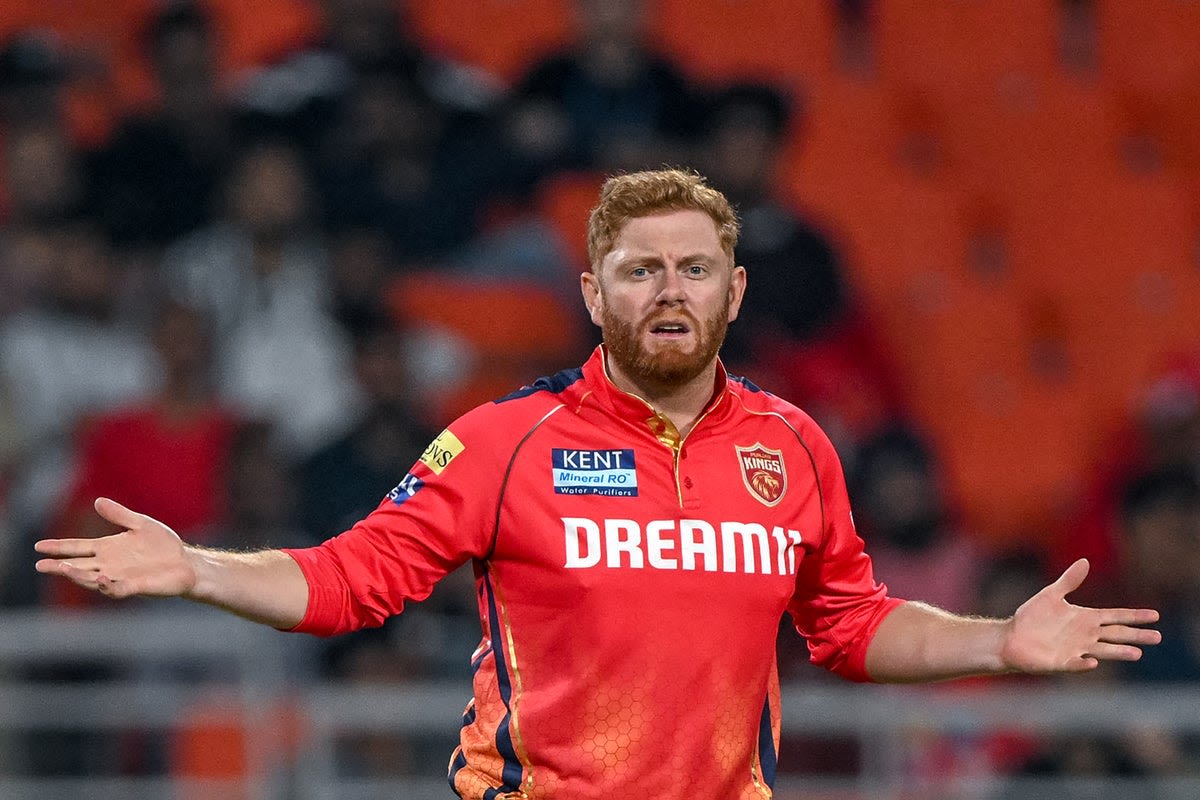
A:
(667, 363)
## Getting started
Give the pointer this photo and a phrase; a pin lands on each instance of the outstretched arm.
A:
(917, 642)
(147, 558)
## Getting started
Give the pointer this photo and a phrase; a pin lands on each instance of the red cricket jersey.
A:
(630, 584)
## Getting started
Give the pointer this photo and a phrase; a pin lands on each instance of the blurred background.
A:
(254, 254)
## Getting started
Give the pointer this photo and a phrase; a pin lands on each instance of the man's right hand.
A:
(146, 558)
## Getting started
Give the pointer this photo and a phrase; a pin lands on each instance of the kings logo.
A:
(763, 472)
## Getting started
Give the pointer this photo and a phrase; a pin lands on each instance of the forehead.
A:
(668, 233)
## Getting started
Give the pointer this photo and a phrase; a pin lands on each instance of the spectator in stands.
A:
(33, 72)
(796, 267)
(607, 103)
(360, 38)
(1160, 516)
(77, 351)
(160, 175)
(367, 35)
(1159, 523)
(168, 451)
(1162, 434)
(800, 328)
(45, 188)
(260, 492)
(345, 480)
(362, 259)
(261, 272)
(902, 516)
(399, 161)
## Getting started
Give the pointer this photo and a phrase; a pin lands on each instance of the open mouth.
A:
(670, 329)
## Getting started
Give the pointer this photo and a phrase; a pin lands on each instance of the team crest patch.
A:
(763, 472)
(611, 473)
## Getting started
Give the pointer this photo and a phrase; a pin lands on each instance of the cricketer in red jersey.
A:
(631, 582)
(637, 531)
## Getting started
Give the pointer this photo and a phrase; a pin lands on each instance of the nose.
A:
(671, 288)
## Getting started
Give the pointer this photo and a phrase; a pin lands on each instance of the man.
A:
(638, 527)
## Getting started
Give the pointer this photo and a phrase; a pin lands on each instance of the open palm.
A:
(1048, 634)
(146, 558)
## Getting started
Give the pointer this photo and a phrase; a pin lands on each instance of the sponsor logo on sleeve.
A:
(763, 472)
(610, 473)
(407, 488)
(441, 451)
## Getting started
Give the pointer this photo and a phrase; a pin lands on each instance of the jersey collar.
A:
(636, 409)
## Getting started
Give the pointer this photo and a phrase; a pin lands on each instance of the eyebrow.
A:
(655, 259)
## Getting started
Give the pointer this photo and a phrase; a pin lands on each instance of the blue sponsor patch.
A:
(407, 488)
(604, 472)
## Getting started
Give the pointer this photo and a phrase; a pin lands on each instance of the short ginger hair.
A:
(640, 194)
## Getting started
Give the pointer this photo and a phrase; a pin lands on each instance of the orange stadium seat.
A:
(1150, 45)
(257, 32)
(773, 40)
(517, 331)
(503, 37)
(1118, 254)
(966, 344)
(99, 36)
(1001, 145)
(1167, 124)
(106, 36)
(950, 47)
(835, 157)
(565, 200)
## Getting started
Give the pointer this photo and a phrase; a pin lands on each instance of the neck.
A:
(682, 403)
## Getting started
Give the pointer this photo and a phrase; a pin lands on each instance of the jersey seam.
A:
(507, 474)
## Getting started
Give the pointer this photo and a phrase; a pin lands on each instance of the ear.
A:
(593, 297)
(737, 290)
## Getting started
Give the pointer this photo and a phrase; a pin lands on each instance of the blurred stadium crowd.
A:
(255, 253)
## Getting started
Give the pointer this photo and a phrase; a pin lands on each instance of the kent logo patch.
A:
(407, 488)
(610, 473)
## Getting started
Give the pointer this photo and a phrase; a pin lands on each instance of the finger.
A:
(116, 513)
(1114, 652)
(1070, 580)
(1123, 634)
(1128, 616)
(66, 548)
(62, 565)
(87, 578)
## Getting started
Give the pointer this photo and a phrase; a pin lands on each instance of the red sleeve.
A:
(838, 605)
(440, 516)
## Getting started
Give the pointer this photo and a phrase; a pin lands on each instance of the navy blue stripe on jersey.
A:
(749, 384)
(767, 757)
(555, 384)
(459, 761)
(512, 772)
